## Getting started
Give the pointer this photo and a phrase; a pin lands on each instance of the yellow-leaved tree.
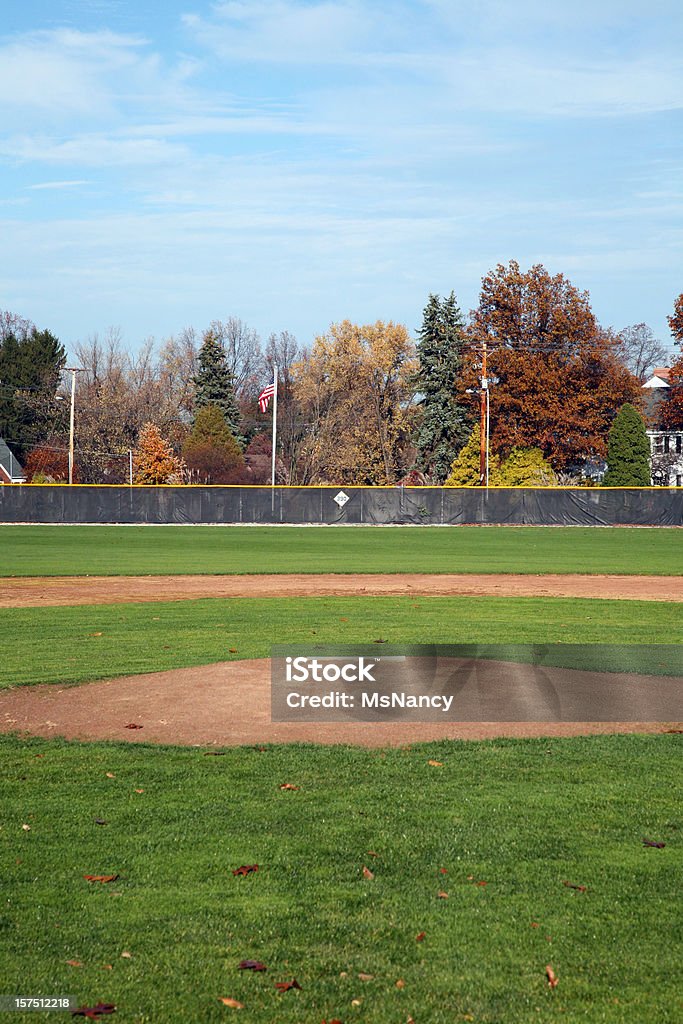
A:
(354, 390)
(523, 467)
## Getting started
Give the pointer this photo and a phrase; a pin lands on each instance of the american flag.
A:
(265, 396)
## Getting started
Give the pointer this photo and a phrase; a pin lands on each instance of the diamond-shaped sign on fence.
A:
(341, 499)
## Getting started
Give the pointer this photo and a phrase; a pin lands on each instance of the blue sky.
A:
(296, 162)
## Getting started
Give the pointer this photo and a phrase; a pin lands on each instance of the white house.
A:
(10, 470)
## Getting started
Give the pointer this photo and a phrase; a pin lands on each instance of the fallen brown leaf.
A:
(572, 885)
(442, 895)
(95, 634)
(551, 976)
(227, 1001)
(380, 640)
(246, 869)
(232, 650)
(332, 1020)
(100, 878)
(371, 853)
(133, 725)
(289, 786)
(646, 842)
(365, 977)
(443, 871)
(436, 764)
(107, 967)
(94, 1012)
(251, 965)
(26, 828)
(356, 1002)
(126, 955)
(285, 986)
(535, 924)
(400, 983)
(110, 775)
(100, 821)
(139, 791)
(74, 963)
(367, 873)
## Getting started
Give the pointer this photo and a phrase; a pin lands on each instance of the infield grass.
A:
(499, 826)
(153, 550)
(75, 644)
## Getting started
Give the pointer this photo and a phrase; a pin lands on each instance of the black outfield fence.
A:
(426, 506)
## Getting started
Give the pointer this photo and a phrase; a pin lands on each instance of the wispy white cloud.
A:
(91, 150)
(286, 32)
(488, 56)
(50, 185)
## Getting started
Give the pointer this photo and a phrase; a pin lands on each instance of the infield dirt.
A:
(26, 592)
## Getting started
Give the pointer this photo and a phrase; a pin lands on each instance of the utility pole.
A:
(73, 370)
(483, 423)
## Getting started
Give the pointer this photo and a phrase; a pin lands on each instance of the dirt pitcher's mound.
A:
(228, 704)
(29, 592)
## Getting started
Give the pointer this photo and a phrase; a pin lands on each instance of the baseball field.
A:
(481, 872)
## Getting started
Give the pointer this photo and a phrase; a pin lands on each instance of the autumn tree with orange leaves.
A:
(154, 460)
(676, 320)
(671, 409)
(558, 379)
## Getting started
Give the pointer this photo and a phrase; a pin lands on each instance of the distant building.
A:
(10, 469)
(666, 446)
(659, 379)
(666, 457)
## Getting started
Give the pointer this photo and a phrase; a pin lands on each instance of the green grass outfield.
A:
(521, 816)
(75, 644)
(154, 550)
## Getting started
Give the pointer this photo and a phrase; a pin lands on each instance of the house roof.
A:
(10, 468)
(659, 379)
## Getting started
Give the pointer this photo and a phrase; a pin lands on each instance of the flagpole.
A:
(274, 434)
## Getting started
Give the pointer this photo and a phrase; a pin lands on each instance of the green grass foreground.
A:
(75, 644)
(523, 817)
(154, 550)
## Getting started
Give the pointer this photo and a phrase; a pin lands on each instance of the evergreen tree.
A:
(628, 451)
(211, 451)
(443, 429)
(31, 362)
(214, 383)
